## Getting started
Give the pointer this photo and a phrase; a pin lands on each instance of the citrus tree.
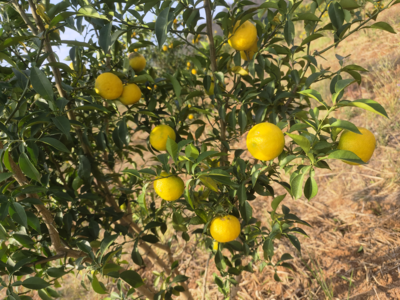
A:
(75, 195)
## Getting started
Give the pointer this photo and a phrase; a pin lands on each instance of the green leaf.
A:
(192, 152)
(336, 15)
(108, 268)
(346, 156)
(98, 286)
(41, 84)
(8, 59)
(242, 118)
(56, 272)
(241, 193)
(315, 95)
(105, 37)
(289, 32)
(268, 248)
(84, 246)
(246, 211)
(132, 278)
(54, 143)
(275, 203)
(28, 168)
(63, 124)
(20, 211)
(311, 38)
(349, 4)
(300, 140)
(132, 172)
(219, 261)
(5, 176)
(79, 44)
(366, 104)
(180, 278)
(35, 283)
(206, 154)
(161, 26)
(142, 198)
(24, 240)
(91, 12)
(3, 233)
(297, 186)
(13, 41)
(136, 257)
(61, 17)
(43, 295)
(310, 188)
(172, 148)
(381, 25)
(106, 242)
(345, 125)
(307, 17)
(294, 241)
(177, 87)
(342, 84)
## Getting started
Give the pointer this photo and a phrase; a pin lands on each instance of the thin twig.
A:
(203, 295)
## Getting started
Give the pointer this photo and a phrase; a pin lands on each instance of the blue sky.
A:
(69, 34)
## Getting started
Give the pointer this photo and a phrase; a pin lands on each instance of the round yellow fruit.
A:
(194, 72)
(361, 144)
(189, 105)
(225, 229)
(159, 136)
(265, 141)
(169, 187)
(190, 117)
(165, 48)
(188, 64)
(243, 36)
(248, 54)
(137, 62)
(131, 94)
(108, 86)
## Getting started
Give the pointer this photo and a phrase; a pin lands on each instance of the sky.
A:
(69, 34)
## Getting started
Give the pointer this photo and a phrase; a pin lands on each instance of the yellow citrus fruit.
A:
(109, 86)
(225, 229)
(71, 65)
(175, 21)
(165, 48)
(188, 64)
(189, 105)
(171, 46)
(248, 54)
(190, 117)
(159, 136)
(131, 94)
(194, 72)
(210, 92)
(265, 141)
(137, 62)
(243, 36)
(169, 187)
(361, 144)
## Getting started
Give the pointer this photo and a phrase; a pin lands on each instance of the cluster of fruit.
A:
(110, 87)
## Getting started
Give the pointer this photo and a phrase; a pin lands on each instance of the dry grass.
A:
(354, 247)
